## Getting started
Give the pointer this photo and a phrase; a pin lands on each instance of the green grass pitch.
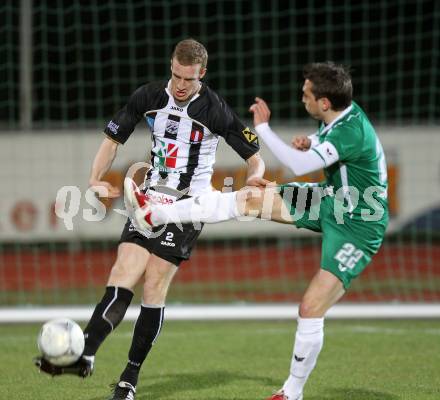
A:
(361, 360)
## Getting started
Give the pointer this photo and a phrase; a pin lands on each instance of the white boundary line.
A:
(230, 312)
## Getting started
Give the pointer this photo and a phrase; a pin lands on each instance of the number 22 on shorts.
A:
(348, 256)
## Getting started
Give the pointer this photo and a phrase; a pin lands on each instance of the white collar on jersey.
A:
(339, 117)
(167, 89)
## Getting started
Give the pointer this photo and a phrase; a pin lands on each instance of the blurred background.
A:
(67, 66)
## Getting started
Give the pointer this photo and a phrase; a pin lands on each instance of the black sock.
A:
(146, 331)
(106, 317)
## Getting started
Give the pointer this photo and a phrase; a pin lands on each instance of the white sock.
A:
(308, 344)
(210, 207)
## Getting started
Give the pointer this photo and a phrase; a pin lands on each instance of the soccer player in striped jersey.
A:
(186, 120)
(349, 209)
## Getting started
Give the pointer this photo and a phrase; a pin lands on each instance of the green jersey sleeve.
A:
(347, 139)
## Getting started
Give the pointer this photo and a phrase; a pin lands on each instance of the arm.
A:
(255, 171)
(117, 132)
(102, 163)
(242, 140)
(300, 162)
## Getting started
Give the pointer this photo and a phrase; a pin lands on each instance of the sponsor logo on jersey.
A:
(249, 135)
(196, 135)
(299, 359)
(171, 155)
(169, 244)
(113, 127)
(166, 155)
(177, 108)
(172, 127)
(160, 198)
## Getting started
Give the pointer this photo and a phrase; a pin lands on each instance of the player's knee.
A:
(155, 290)
(122, 265)
(311, 308)
(127, 269)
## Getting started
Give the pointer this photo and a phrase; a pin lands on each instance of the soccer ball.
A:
(61, 341)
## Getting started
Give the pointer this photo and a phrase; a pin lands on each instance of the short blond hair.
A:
(190, 52)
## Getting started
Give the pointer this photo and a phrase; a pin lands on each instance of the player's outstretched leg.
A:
(211, 207)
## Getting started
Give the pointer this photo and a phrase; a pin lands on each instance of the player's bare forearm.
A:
(255, 171)
(102, 163)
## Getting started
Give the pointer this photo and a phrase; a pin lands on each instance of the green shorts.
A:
(346, 248)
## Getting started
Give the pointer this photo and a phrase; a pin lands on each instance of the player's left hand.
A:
(257, 181)
(261, 111)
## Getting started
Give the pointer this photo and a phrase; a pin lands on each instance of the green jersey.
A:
(359, 178)
(353, 212)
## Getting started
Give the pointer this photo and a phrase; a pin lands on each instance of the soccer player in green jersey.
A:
(349, 208)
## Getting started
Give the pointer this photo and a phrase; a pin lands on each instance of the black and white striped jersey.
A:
(184, 139)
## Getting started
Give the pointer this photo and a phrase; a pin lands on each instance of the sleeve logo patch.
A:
(113, 127)
(249, 135)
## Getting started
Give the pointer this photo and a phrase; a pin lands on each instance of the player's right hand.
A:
(301, 143)
(105, 189)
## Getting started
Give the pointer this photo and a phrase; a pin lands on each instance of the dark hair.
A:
(332, 81)
(190, 52)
